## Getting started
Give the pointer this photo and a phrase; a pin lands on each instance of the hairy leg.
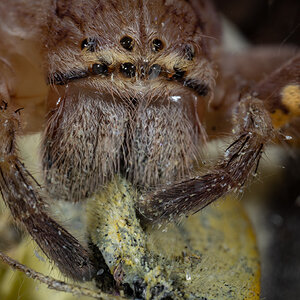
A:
(239, 161)
(254, 128)
(56, 284)
(22, 195)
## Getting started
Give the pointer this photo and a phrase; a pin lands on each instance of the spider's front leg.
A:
(240, 159)
(256, 119)
(22, 195)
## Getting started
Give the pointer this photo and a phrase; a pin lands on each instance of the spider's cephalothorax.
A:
(133, 88)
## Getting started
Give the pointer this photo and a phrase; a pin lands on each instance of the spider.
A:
(135, 89)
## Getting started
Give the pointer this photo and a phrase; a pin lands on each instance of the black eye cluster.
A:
(128, 69)
(127, 43)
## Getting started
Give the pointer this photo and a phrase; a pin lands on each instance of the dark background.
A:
(275, 22)
(265, 21)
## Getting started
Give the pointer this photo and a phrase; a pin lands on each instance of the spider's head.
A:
(131, 55)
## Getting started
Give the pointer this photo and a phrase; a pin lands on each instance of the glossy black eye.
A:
(127, 43)
(178, 74)
(157, 45)
(128, 69)
(89, 44)
(189, 52)
(99, 69)
(154, 71)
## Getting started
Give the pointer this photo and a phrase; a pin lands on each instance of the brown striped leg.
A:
(21, 194)
(239, 162)
(256, 120)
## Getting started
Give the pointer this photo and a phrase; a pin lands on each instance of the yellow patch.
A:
(291, 100)
(279, 118)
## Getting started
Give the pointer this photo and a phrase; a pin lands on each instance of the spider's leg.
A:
(55, 284)
(239, 161)
(22, 195)
(254, 129)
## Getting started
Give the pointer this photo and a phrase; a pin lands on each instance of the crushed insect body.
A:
(177, 261)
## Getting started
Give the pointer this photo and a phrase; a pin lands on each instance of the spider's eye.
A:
(157, 45)
(127, 43)
(99, 69)
(189, 52)
(128, 69)
(89, 44)
(178, 74)
(154, 71)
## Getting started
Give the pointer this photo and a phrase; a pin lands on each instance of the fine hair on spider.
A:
(134, 89)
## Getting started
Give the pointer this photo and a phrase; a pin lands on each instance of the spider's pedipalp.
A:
(238, 163)
(55, 284)
(255, 122)
(21, 195)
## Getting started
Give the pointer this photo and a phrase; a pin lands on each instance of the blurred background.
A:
(264, 21)
(275, 211)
